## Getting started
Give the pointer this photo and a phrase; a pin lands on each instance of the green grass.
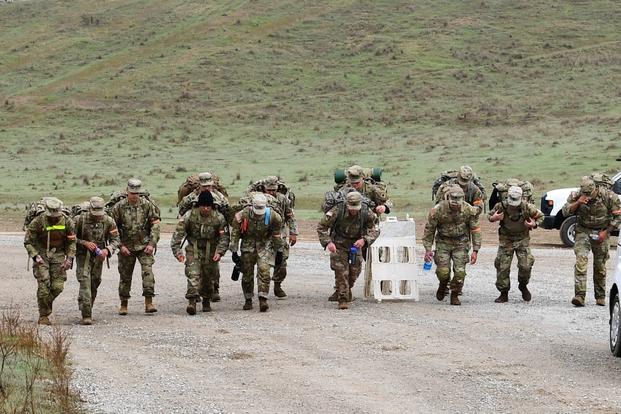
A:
(163, 89)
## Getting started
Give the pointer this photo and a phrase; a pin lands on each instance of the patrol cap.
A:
(53, 207)
(259, 203)
(354, 174)
(205, 199)
(455, 195)
(134, 185)
(354, 200)
(514, 196)
(271, 183)
(465, 175)
(587, 186)
(205, 179)
(96, 206)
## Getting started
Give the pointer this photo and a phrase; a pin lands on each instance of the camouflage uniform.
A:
(514, 237)
(206, 236)
(602, 212)
(104, 233)
(375, 193)
(453, 231)
(52, 245)
(344, 229)
(473, 194)
(259, 240)
(139, 226)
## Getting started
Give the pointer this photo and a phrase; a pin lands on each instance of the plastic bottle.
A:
(97, 251)
(427, 266)
(353, 254)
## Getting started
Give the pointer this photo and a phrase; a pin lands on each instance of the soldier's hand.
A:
(125, 251)
(603, 235)
(90, 245)
(180, 258)
(149, 249)
(583, 199)
(380, 209)
(331, 247)
(103, 255)
(359, 243)
(38, 259)
(530, 223)
(428, 256)
(216, 257)
(473, 257)
(497, 216)
(67, 264)
(293, 239)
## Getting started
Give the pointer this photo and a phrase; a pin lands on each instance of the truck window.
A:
(617, 186)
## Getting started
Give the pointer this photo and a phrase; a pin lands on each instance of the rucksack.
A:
(375, 173)
(36, 208)
(246, 201)
(334, 198)
(118, 196)
(192, 183)
(501, 189)
(223, 208)
(78, 209)
(283, 188)
(450, 174)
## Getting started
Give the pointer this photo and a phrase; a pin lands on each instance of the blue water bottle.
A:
(97, 251)
(427, 266)
(353, 255)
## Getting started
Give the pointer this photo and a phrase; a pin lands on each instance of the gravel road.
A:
(305, 356)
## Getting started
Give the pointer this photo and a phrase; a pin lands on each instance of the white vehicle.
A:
(553, 201)
(615, 307)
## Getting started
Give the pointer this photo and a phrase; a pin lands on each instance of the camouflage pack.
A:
(192, 183)
(118, 196)
(335, 198)
(246, 201)
(452, 174)
(283, 188)
(500, 190)
(36, 208)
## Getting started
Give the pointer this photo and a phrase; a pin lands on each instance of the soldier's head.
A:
(53, 210)
(355, 176)
(527, 190)
(134, 188)
(588, 188)
(96, 208)
(465, 175)
(514, 196)
(353, 201)
(455, 197)
(259, 204)
(205, 202)
(205, 179)
(271, 185)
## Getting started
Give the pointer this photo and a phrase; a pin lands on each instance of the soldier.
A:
(454, 224)
(207, 233)
(259, 228)
(376, 194)
(465, 179)
(138, 221)
(206, 183)
(343, 228)
(517, 218)
(289, 228)
(50, 242)
(98, 239)
(598, 212)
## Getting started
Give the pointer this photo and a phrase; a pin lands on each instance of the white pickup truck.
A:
(553, 201)
(615, 307)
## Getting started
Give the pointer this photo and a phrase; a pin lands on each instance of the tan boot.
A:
(149, 307)
(455, 298)
(442, 291)
(334, 297)
(525, 292)
(191, 308)
(86, 321)
(44, 320)
(504, 297)
(123, 308)
(600, 302)
(578, 301)
(343, 304)
(278, 292)
(263, 306)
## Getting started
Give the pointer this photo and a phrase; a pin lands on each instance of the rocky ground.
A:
(305, 356)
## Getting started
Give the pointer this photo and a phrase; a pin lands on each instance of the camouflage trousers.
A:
(345, 274)
(201, 272)
(126, 269)
(88, 273)
(248, 262)
(453, 252)
(281, 273)
(504, 257)
(583, 245)
(51, 282)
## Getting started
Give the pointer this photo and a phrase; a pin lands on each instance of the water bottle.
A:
(97, 251)
(427, 266)
(353, 255)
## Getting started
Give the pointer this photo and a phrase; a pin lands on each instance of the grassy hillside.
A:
(93, 92)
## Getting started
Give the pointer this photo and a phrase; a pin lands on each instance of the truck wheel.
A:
(568, 231)
(615, 327)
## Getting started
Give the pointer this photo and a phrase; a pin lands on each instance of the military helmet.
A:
(134, 185)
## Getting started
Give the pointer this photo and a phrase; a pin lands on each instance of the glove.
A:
(236, 272)
(236, 258)
(280, 257)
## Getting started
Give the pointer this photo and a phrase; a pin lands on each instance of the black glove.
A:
(236, 272)
(236, 258)
(280, 257)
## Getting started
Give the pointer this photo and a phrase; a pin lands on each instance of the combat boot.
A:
(86, 321)
(191, 308)
(343, 304)
(278, 291)
(350, 296)
(442, 291)
(455, 297)
(504, 297)
(43, 320)
(206, 306)
(525, 292)
(600, 302)
(334, 297)
(123, 308)
(148, 305)
(578, 301)
(215, 296)
(263, 306)
(248, 304)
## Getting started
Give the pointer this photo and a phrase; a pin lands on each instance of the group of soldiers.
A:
(261, 227)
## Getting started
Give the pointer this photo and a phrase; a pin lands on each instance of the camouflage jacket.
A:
(473, 194)
(103, 233)
(219, 199)
(512, 225)
(202, 232)
(53, 242)
(139, 224)
(290, 225)
(375, 193)
(343, 229)
(444, 223)
(253, 231)
(603, 211)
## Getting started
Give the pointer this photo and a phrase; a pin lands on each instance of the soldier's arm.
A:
(475, 230)
(570, 207)
(430, 230)
(371, 231)
(497, 209)
(114, 241)
(535, 214)
(380, 198)
(30, 237)
(277, 240)
(290, 219)
(223, 236)
(177, 237)
(325, 225)
(235, 235)
(71, 237)
(154, 219)
(477, 200)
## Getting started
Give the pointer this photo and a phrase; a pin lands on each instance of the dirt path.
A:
(304, 356)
